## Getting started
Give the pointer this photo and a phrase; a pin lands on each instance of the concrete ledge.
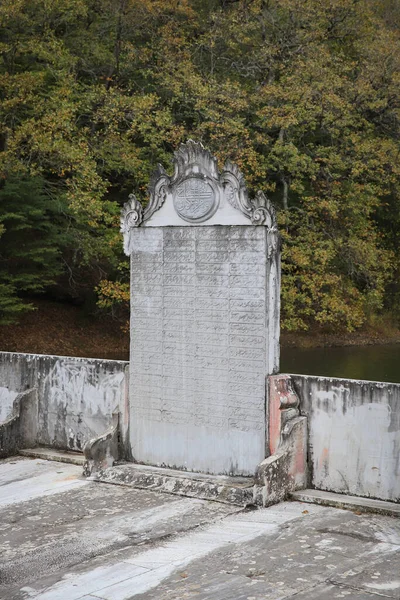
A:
(240, 491)
(347, 502)
(73, 458)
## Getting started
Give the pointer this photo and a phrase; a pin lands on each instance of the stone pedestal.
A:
(204, 318)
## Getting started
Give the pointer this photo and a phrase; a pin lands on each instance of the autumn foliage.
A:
(302, 94)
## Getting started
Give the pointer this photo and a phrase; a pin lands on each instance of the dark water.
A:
(376, 363)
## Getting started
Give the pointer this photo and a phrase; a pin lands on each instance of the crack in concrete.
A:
(356, 588)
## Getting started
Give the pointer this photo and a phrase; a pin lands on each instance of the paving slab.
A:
(23, 479)
(74, 458)
(312, 557)
(54, 519)
(109, 542)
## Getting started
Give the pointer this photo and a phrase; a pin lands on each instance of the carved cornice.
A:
(197, 190)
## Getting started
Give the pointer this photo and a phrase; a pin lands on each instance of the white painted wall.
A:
(354, 435)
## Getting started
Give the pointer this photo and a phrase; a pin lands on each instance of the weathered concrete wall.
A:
(77, 396)
(354, 435)
(20, 429)
(199, 347)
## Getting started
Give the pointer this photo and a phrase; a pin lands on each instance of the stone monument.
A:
(205, 280)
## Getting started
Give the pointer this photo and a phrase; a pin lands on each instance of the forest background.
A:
(304, 95)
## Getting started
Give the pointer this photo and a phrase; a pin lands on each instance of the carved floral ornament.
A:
(197, 189)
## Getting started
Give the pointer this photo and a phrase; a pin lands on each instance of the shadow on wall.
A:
(19, 430)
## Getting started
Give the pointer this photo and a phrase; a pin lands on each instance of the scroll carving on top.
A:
(198, 191)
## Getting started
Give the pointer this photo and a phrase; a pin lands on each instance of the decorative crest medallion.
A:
(198, 192)
(194, 200)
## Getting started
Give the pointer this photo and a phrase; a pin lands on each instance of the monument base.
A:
(241, 491)
(281, 473)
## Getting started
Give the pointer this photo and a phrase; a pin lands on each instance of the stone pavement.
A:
(66, 538)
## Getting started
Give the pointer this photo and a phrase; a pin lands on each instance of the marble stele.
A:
(205, 281)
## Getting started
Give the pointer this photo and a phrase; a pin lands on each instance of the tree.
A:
(32, 236)
(303, 95)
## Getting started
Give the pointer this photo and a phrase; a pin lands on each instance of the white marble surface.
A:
(199, 347)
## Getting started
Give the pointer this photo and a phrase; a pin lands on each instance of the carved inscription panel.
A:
(198, 347)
